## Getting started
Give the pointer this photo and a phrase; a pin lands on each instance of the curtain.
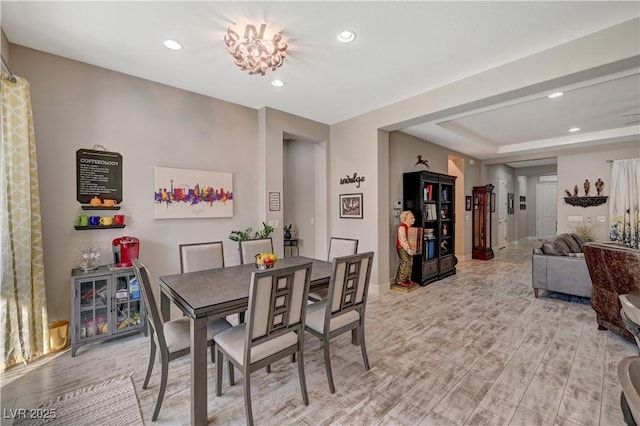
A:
(24, 333)
(624, 209)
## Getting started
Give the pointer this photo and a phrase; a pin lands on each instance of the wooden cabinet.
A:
(482, 203)
(105, 303)
(431, 198)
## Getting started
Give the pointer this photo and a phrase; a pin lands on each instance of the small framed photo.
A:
(351, 206)
(467, 202)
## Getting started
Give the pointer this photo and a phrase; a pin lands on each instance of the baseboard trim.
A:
(379, 288)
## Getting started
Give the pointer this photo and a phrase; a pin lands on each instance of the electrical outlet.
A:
(588, 218)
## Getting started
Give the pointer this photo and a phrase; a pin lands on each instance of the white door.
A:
(502, 213)
(546, 210)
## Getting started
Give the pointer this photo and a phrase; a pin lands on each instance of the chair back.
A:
(614, 270)
(201, 256)
(249, 249)
(349, 284)
(153, 314)
(277, 304)
(339, 247)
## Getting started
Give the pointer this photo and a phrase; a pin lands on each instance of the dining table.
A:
(216, 293)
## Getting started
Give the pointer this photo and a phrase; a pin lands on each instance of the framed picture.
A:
(274, 201)
(493, 202)
(185, 193)
(351, 206)
(467, 202)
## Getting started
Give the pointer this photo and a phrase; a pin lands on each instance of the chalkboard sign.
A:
(98, 173)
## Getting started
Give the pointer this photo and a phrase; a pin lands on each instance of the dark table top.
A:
(223, 291)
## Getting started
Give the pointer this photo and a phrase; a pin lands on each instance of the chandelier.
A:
(254, 53)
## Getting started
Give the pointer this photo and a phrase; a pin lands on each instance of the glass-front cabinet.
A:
(482, 206)
(104, 303)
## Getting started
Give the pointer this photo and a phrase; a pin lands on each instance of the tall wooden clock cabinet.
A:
(482, 206)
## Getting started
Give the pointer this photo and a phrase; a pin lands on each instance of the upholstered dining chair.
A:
(344, 309)
(274, 328)
(172, 337)
(201, 256)
(249, 249)
(338, 247)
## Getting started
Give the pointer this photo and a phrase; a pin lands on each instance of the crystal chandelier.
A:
(254, 53)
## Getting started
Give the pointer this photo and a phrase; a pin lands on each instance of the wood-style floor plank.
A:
(473, 349)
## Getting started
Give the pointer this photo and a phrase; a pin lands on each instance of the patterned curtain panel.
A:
(625, 202)
(24, 333)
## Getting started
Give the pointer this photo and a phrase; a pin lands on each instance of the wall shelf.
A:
(82, 228)
(586, 201)
(100, 208)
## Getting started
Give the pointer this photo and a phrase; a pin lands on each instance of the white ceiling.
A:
(402, 49)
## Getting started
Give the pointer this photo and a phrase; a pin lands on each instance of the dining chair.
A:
(338, 247)
(201, 256)
(249, 249)
(172, 337)
(344, 309)
(274, 328)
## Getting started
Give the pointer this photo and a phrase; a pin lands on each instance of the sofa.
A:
(614, 270)
(559, 266)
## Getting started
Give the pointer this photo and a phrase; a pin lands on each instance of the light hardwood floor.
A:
(473, 349)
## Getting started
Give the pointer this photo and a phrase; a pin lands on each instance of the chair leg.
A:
(219, 372)
(232, 379)
(213, 354)
(327, 364)
(163, 386)
(363, 348)
(247, 397)
(152, 358)
(303, 380)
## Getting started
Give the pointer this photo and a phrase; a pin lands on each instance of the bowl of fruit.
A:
(265, 260)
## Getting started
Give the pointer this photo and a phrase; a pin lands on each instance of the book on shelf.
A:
(414, 237)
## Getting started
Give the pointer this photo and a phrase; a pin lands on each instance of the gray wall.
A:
(574, 168)
(76, 105)
(402, 158)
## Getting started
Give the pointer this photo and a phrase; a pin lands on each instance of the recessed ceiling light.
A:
(172, 44)
(574, 129)
(555, 95)
(346, 36)
(277, 83)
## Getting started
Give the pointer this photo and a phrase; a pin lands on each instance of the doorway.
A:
(300, 170)
(546, 210)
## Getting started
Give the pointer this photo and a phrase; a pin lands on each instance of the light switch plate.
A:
(602, 218)
(575, 218)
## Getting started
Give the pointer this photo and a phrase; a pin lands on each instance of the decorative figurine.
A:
(587, 186)
(575, 191)
(567, 192)
(599, 186)
(423, 162)
(403, 275)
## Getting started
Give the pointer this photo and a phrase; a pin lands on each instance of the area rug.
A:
(113, 402)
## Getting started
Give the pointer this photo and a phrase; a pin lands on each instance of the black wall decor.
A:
(98, 174)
